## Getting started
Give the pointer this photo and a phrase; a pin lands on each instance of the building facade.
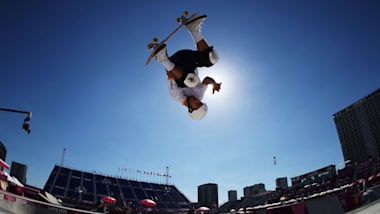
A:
(3, 151)
(282, 182)
(19, 170)
(358, 127)
(232, 195)
(3, 155)
(208, 195)
(254, 190)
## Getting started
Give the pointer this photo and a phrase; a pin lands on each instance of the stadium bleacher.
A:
(84, 189)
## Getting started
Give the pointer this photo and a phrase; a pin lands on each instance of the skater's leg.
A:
(162, 57)
(202, 45)
(208, 54)
(172, 70)
(194, 28)
(175, 73)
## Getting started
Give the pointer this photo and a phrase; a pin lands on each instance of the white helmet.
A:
(191, 80)
(199, 113)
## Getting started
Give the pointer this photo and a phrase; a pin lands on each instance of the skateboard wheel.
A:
(178, 20)
(154, 40)
(185, 13)
(150, 46)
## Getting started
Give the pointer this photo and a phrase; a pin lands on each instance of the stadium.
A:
(74, 191)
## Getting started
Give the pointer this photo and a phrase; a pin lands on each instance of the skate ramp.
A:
(325, 205)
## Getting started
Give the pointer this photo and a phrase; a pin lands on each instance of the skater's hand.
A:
(216, 87)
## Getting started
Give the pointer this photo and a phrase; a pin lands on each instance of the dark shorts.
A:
(189, 60)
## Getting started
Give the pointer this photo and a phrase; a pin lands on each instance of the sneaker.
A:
(196, 24)
(161, 53)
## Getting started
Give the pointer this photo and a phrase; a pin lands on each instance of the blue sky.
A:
(286, 68)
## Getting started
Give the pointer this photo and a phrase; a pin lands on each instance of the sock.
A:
(168, 64)
(196, 36)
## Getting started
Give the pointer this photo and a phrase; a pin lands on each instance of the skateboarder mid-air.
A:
(181, 68)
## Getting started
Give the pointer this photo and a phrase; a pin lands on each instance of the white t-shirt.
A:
(180, 94)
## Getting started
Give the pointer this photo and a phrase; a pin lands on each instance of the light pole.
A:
(25, 125)
(80, 189)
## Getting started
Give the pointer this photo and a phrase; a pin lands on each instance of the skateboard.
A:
(155, 45)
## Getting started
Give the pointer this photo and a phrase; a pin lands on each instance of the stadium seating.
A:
(84, 189)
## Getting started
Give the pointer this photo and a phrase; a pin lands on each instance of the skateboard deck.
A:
(155, 45)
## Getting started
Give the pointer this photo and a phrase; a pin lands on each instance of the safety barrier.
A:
(12, 203)
(331, 204)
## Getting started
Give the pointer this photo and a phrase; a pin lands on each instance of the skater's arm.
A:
(211, 81)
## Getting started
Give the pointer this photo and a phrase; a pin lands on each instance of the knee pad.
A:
(208, 57)
(191, 80)
(213, 56)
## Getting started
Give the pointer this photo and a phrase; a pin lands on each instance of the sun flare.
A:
(221, 73)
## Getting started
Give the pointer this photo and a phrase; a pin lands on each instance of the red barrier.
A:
(296, 208)
(350, 200)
